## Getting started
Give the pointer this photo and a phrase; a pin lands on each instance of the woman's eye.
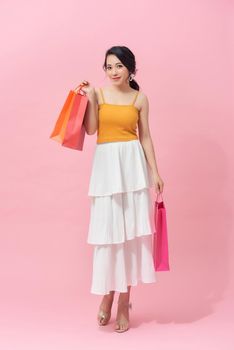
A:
(118, 66)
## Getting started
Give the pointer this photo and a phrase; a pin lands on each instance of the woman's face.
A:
(116, 69)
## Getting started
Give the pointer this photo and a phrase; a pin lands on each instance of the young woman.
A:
(123, 170)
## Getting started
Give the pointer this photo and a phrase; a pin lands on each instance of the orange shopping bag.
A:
(69, 129)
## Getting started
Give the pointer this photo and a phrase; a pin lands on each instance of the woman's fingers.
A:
(84, 82)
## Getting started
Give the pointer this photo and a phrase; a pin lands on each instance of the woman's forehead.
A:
(112, 59)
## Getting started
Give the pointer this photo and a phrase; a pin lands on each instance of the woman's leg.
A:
(104, 313)
(122, 318)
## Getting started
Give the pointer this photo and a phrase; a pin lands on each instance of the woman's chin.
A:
(116, 80)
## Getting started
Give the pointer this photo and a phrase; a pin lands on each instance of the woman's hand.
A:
(86, 88)
(158, 182)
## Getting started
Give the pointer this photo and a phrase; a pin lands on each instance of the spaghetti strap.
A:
(102, 95)
(135, 98)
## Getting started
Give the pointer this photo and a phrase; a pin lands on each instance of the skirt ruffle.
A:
(117, 266)
(120, 217)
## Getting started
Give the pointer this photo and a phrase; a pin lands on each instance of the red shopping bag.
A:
(69, 129)
(160, 238)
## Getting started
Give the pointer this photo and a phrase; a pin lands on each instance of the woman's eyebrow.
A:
(115, 64)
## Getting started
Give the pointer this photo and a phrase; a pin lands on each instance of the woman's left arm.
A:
(147, 144)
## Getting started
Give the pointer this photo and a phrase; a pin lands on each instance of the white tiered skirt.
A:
(120, 226)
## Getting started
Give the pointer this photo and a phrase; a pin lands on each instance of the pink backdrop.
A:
(184, 59)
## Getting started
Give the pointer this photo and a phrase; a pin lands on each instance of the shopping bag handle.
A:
(79, 89)
(158, 195)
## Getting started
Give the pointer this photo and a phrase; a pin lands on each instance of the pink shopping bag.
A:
(160, 239)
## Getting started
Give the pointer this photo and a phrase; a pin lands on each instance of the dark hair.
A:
(126, 56)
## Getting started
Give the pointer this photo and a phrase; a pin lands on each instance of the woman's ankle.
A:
(109, 296)
(124, 298)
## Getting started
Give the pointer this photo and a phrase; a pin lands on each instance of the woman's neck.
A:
(121, 88)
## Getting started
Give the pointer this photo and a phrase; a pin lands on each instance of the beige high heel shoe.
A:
(103, 317)
(118, 323)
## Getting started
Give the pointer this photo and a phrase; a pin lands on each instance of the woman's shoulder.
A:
(140, 101)
(141, 97)
(100, 89)
(98, 94)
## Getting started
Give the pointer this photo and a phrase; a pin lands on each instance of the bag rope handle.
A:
(79, 87)
(158, 195)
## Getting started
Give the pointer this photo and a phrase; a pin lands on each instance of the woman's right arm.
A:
(91, 114)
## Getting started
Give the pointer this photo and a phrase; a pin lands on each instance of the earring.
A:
(130, 77)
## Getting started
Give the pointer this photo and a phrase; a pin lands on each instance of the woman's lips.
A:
(116, 78)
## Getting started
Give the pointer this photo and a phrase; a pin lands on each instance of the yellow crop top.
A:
(117, 122)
